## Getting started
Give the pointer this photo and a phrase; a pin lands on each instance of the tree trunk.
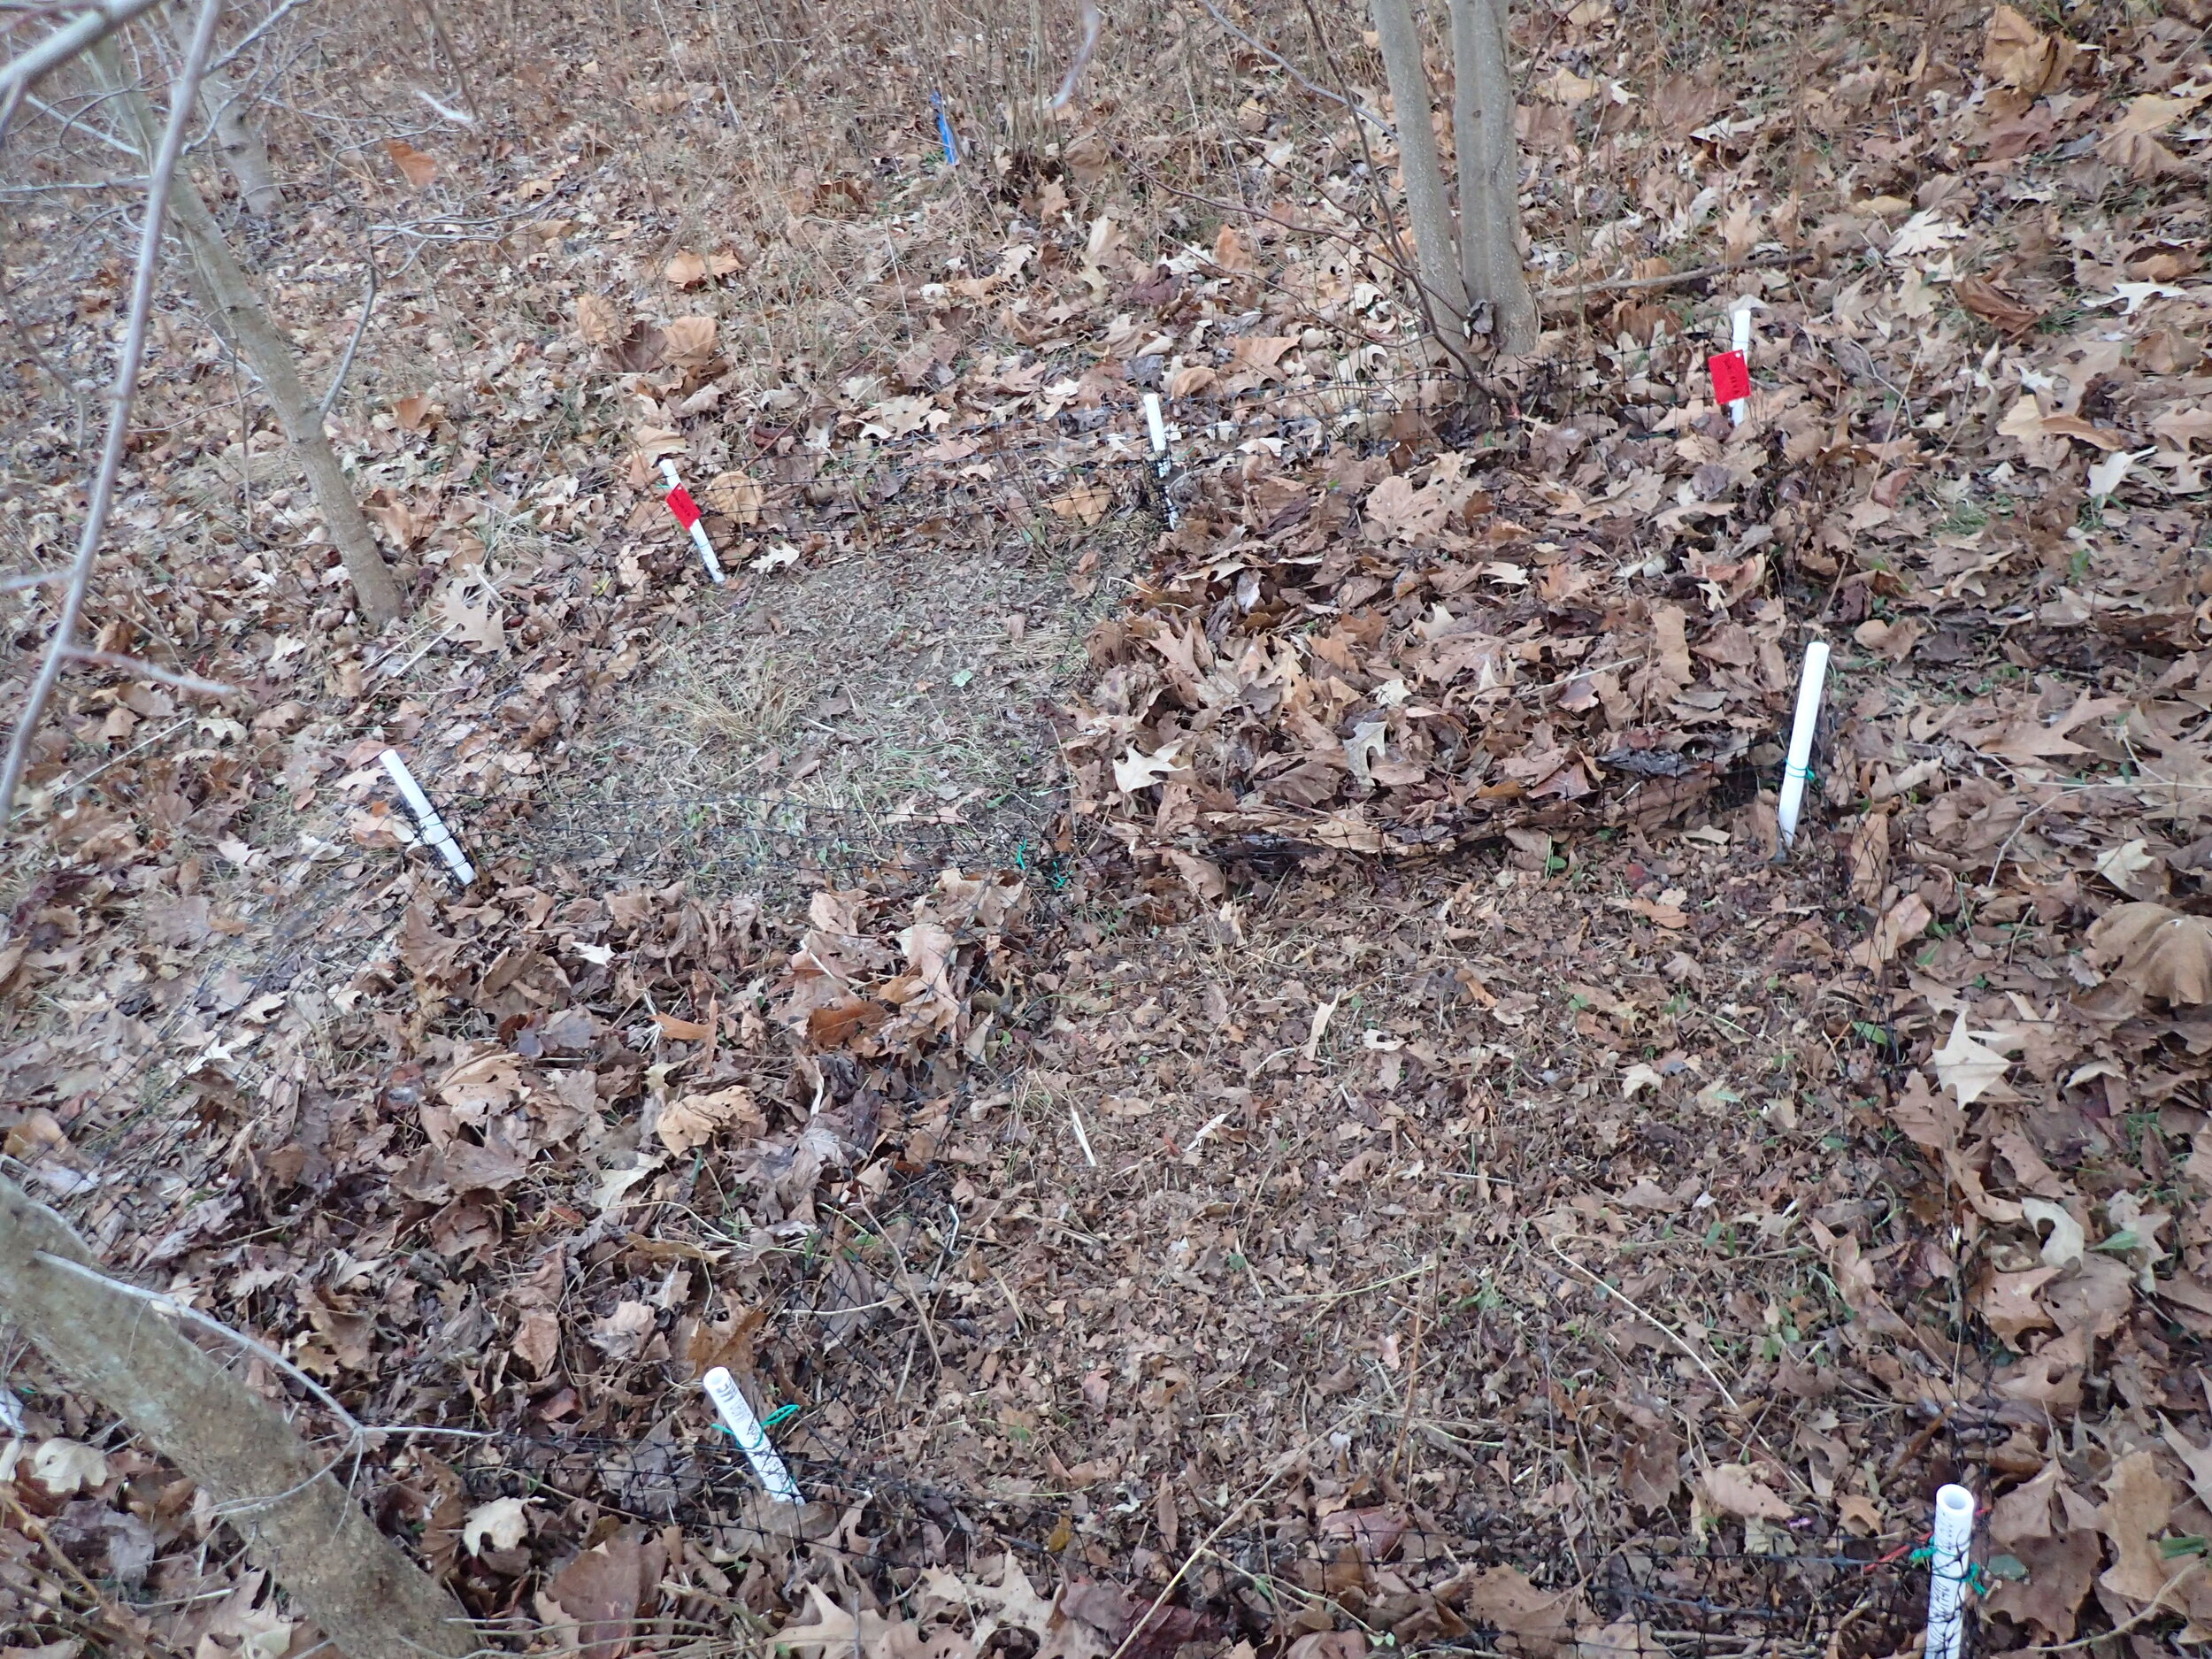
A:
(244, 151)
(298, 1520)
(223, 291)
(1425, 201)
(1489, 174)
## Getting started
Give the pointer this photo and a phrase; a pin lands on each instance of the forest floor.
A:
(1251, 1049)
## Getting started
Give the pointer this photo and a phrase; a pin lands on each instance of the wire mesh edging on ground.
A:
(1684, 1601)
(1678, 1602)
(773, 839)
(770, 836)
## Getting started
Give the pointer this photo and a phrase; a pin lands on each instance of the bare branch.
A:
(18, 582)
(143, 670)
(73, 184)
(1284, 65)
(176, 1310)
(1093, 23)
(345, 363)
(100, 20)
(251, 36)
(100, 498)
(76, 123)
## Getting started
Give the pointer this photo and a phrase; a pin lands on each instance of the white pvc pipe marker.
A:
(1157, 426)
(435, 833)
(1740, 343)
(1797, 766)
(736, 1413)
(687, 511)
(1948, 1569)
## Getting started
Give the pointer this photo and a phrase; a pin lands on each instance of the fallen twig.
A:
(1284, 65)
(143, 670)
(1663, 1329)
(1695, 273)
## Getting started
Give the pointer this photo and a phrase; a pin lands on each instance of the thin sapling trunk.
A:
(1489, 174)
(222, 289)
(1426, 202)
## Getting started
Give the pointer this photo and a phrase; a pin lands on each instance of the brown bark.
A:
(1426, 202)
(1489, 174)
(294, 1513)
(244, 151)
(222, 289)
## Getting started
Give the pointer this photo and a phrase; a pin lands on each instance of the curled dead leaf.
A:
(657, 442)
(2016, 54)
(469, 606)
(695, 1119)
(63, 1466)
(1994, 305)
(2161, 952)
(1087, 502)
(599, 320)
(501, 1523)
(1967, 1066)
(1736, 1489)
(1230, 253)
(735, 497)
(1535, 1622)
(689, 339)
(417, 167)
(1189, 380)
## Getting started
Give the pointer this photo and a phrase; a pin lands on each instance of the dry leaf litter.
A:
(1365, 1146)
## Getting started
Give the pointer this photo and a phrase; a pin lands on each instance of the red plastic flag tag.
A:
(1731, 376)
(680, 502)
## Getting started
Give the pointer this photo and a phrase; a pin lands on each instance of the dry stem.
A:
(100, 498)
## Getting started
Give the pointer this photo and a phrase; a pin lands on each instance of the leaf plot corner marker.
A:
(687, 511)
(434, 832)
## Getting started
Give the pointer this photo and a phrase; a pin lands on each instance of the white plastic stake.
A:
(1161, 465)
(1797, 765)
(1741, 342)
(736, 1413)
(1949, 1567)
(434, 832)
(1156, 422)
(687, 511)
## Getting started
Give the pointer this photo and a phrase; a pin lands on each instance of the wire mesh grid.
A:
(1669, 1599)
(773, 844)
(1679, 1602)
(1715, 1589)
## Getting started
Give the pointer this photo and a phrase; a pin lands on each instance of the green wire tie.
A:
(1974, 1577)
(781, 1414)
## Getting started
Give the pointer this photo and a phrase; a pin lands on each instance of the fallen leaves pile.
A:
(1302, 1216)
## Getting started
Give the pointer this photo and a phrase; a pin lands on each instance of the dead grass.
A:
(915, 684)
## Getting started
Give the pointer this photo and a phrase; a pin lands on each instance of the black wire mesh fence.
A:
(1389, 1578)
(775, 843)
